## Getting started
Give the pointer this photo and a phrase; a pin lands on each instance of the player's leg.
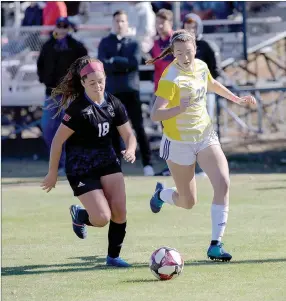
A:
(114, 190)
(97, 213)
(185, 195)
(97, 208)
(181, 162)
(214, 163)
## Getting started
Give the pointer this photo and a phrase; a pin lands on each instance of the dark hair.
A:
(120, 12)
(165, 14)
(180, 35)
(70, 86)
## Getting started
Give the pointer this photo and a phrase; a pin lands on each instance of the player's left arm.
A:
(129, 139)
(216, 87)
(124, 128)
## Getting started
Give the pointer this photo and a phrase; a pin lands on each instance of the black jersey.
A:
(90, 146)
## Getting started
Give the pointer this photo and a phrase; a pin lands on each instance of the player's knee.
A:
(191, 202)
(100, 220)
(224, 185)
(188, 202)
(119, 216)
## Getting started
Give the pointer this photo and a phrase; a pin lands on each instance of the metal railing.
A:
(20, 87)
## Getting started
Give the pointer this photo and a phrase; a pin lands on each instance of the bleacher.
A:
(20, 86)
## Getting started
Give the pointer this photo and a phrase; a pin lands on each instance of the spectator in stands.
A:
(3, 16)
(164, 27)
(72, 8)
(84, 11)
(121, 57)
(206, 51)
(77, 11)
(157, 5)
(56, 56)
(33, 17)
(142, 18)
(52, 11)
(213, 9)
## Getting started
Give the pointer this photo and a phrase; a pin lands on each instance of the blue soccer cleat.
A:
(78, 228)
(117, 262)
(217, 252)
(156, 203)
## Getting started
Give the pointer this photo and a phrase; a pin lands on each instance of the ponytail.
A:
(163, 54)
(178, 36)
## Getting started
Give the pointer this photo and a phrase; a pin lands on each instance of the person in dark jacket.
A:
(55, 58)
(33, 17)
(121, 57)
(206, 51)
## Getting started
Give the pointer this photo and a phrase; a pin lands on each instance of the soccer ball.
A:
(166, 263)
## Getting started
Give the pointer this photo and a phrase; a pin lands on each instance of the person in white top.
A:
(142, 20)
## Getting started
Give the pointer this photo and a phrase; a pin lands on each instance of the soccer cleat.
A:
(217, 252)
(117, 262)
(156, 203)
(78, 228)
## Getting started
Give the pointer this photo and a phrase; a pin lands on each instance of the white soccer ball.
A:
(166, 263)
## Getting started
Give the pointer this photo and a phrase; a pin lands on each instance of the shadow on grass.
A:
(271, 188)
(94, 259)
(92, 263)
(141, 281)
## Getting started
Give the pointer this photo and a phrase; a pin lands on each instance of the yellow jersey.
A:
(194, 124)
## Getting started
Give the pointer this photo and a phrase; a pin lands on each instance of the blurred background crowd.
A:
(243, 44)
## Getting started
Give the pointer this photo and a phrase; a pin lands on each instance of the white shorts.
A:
(183, 153)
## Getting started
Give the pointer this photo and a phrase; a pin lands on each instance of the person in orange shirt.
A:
(52, 11)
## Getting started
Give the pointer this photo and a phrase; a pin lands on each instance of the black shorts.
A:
(81, 184)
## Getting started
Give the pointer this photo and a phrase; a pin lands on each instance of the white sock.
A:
(219, 215)
(166, 195)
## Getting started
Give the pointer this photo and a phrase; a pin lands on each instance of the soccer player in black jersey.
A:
(92, 167)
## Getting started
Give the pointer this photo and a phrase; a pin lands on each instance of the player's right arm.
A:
(62, 134)
(160, 111)
(165, 93)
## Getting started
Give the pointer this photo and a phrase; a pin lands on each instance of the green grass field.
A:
(42, 259)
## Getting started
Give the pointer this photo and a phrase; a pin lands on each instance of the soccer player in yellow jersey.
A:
(188, 135)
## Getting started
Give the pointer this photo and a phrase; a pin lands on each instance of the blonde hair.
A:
(181, 35)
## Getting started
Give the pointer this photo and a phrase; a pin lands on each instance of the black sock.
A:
(84, 217)
(116, 234)
(214, 242)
